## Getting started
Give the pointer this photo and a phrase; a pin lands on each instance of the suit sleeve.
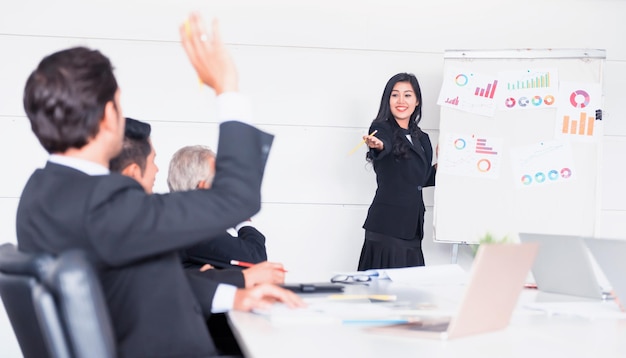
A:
(125, 224)
(432, 170)
(229, 276)
(204, 290)
(431, 178)
(255, 241)
(385, 135)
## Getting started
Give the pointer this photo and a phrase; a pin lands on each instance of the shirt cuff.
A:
(224, 298)
(233, 106)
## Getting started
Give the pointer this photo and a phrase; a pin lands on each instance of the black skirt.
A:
(382, 251)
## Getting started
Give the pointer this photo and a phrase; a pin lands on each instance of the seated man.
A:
(136, 160)
(193, 167)
(157, 309)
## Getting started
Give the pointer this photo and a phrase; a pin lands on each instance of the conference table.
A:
(542, 324)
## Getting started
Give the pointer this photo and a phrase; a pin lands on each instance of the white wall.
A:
(314, 71)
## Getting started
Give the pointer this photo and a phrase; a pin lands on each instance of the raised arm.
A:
(208, 55)
(130, 225)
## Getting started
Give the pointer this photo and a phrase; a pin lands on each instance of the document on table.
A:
(451, 274)
(328, 310)
(588, 310)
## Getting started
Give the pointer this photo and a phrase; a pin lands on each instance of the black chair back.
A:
(81, 306)
(29, 305)
(55, 305)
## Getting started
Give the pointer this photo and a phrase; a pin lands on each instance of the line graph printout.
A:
(544, 163)
(469, 91)
(470, 155)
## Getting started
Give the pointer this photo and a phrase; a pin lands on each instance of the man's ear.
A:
(203, 184)
(212, 164)
(110, 121)
(132, 170)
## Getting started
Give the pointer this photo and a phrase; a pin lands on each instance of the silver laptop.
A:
(496, 281)
(563, 266)
(610, 255)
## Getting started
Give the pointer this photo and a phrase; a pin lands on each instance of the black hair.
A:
(65, 97)
(136, 147)
(400, 147)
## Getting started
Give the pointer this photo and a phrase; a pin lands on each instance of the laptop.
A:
(610, 255)
(496, 280)
(563, 266)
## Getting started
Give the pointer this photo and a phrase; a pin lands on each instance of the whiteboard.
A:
(519, 144)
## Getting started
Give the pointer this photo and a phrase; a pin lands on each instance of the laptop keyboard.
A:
(430, 326)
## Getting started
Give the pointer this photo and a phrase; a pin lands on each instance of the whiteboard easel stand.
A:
(455, 253)
(474, 56)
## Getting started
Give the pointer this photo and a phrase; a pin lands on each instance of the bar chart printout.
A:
(533, 88)
(487, 92)
(577, 118)
(469, 91)
(540, 81)
(582, 126)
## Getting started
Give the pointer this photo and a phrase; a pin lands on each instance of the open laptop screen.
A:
(496, 280)
(563, 265)
(610, 255)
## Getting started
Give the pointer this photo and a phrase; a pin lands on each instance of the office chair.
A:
(29, 305)
(55, 305)
(81, 306)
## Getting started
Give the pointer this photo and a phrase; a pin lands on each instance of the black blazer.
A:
(233, 276)
(157, 308)
(398, 207)
(249, 246)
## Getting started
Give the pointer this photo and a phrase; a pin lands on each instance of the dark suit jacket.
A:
(232, 276)
(249, 246)
(133, 239)
(398, 207)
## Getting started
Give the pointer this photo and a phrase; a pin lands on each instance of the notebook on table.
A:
(610, 255)
(563, 266)
(496, 280)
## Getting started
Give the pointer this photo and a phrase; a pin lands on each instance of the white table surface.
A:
(531, 333)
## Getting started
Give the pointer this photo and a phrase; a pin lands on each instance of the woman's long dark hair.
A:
(400, 148)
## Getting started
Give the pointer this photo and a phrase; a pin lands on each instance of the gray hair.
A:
(188, 167)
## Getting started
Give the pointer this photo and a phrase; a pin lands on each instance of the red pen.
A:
(241, 263)
(245, 264)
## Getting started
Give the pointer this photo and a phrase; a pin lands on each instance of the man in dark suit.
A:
(136, 160)
(193, 167)
(158, 310)
(196, 164)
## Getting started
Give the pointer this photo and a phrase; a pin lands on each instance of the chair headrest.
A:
(13, 261)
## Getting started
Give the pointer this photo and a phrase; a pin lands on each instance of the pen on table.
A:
(221, 263)
(245, 264)
(361, 143)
